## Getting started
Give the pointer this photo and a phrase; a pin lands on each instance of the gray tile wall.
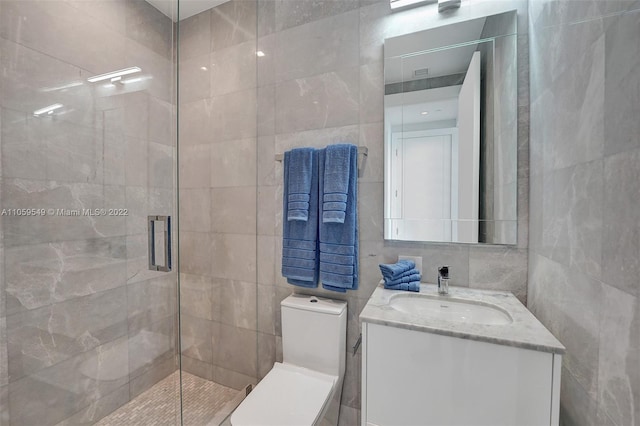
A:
(218, 193)
(84, 326)
(584, 252)
(321, 82)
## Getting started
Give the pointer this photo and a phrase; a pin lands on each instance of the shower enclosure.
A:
(122, 296)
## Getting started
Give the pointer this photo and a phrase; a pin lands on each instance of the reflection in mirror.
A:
(451, 133)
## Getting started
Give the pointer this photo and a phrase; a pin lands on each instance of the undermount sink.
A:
(447, 309)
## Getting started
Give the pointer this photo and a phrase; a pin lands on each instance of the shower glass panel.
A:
(218, 207)
(88, 333)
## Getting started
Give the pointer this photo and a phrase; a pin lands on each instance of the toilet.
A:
(305, 388)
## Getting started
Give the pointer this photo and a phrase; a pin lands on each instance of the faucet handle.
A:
(443, 271)
(443, 280)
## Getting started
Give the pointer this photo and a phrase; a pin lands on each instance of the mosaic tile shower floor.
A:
(205, 403)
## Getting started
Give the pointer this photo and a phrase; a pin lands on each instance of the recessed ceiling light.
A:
(204, 68)
(260, 53)
(424, 113)
(113, 74)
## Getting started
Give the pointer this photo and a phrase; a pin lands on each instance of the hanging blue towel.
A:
(412, 286)
(337, 174)
(300, 238)
(339, 240)
(403, 280)
(395, 270)
(300, 169)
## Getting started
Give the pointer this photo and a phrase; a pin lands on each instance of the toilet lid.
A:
(288, 395)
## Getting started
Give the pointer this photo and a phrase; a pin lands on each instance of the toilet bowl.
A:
(305, 388)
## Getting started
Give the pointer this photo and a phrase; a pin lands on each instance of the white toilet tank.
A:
(314, 333)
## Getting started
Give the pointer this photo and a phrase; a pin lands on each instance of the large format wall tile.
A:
(233, 68)
(290, 14)
(233, 163)
(321, 46)
(44, 274)
(584, 225)
(622, 83)
(235, 349)
(621, 230)
(232, 23)
(195, 35)
(499, 268)
(44, 337)
(568, 302)
(619, 356)
(326, 100)
(65, 388)
(233, 210)
(233, 256)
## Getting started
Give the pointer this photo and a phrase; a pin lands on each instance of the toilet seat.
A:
(288, 396)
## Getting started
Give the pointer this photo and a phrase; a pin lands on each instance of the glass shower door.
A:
(88, 331)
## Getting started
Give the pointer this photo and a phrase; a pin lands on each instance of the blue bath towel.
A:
(402, 275)
(394, 270)
(404, 280)
(337, 174)
(300, 169)
(300, 238)
(339, 241)
(412, 286)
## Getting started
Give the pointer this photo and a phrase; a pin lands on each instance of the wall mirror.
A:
(450, 119)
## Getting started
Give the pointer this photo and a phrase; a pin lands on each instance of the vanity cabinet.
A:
(412, 377)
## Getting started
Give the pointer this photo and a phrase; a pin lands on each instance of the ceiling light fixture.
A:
(47, 110)
(114, 74)
(260, 53)
(424, 113)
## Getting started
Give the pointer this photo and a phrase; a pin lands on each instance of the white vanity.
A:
(472, 357)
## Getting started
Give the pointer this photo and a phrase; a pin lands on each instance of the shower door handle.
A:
(152, 221)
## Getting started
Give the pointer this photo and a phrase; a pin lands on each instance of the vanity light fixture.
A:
(47, 110)
(136, 79)
(113, 75)
(401, 4)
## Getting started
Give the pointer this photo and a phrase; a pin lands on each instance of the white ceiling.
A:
(188, 8)
(400, 67)
(406, 108)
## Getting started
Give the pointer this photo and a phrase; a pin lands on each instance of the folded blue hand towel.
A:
(412, 286)
(405, 274)
(339, 241)
(300, 169)
(337, 175)
(402, 280)
(299, 237)
(394, 270)
(401, 275)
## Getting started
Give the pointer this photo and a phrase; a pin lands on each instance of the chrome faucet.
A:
(443, 280)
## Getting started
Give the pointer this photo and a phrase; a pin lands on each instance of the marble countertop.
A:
(525, 331)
